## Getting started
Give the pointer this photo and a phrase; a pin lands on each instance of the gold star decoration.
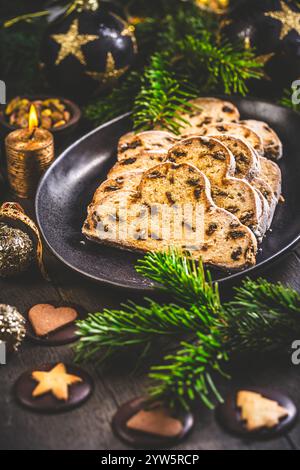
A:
(55, 381)
(290, 19)
(71, 42)
(111, 73)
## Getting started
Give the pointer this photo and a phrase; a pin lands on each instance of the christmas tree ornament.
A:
(20, 242)
(272, 28)
(12, 327)
(88, 49)
(16, 251)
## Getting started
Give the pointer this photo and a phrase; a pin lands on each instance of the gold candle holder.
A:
(29, 153)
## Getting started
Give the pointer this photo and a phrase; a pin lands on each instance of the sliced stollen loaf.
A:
(207, 111)
(244, 156)
(271, 173)
(217, 162)
(223, 241)
(236, 130)
(139, 162)
(132, 144)
(271, 142)
(247, 163)
(265, 189)
(127, 181)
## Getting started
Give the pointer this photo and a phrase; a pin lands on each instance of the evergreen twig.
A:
(262, 316)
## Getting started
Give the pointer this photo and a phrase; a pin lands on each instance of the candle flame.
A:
(33, 121)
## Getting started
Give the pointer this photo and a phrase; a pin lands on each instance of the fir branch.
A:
(187, 375)
(162, 99)
(262, 316)
(222, 65)
(118, 102)
(112, 331)
(183, 277)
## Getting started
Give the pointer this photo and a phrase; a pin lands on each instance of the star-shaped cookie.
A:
(56, 381)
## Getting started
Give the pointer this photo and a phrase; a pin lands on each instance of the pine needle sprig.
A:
(110, 332)
(118, 102)
(188, 374)
(222, 64)
(187, 280)
(203, 332)
(272, 310)
(162, 99)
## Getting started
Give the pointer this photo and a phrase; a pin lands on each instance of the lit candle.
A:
(29, 153)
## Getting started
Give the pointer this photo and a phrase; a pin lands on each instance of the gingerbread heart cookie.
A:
(45, 318)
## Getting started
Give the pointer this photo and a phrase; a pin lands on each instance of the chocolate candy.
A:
(229, 414)
(64, 335)
(142, 439)
(48, 403)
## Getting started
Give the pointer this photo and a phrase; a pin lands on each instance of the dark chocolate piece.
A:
(140, 439)
(229, 415)
(48, 403)
(65, 335)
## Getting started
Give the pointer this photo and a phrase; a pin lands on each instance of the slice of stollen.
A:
(217, 162)
(132, 144)
(248, 166)
(207, 111)
(271, 142)
(271, 173)
(206, 231)
(236, 130)
(127, 181)
(247, 162)
(266, 190)
(268, 179)
(143, 161)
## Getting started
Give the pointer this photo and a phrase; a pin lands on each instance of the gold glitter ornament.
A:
(16, 251)
(12, 327)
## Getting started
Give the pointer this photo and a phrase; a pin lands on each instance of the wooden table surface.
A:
(88, 427)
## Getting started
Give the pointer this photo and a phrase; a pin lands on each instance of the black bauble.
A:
(272, 28)
(87, 51)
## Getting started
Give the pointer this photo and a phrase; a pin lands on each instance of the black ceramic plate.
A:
(68, 186)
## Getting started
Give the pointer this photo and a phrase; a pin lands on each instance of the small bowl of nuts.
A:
(58, 115)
